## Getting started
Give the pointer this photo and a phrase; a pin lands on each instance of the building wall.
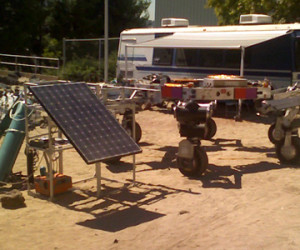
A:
(194, 10)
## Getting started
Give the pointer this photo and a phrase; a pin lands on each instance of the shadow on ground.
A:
(118, 207)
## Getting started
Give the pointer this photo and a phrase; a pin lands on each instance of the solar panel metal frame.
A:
(85, 121)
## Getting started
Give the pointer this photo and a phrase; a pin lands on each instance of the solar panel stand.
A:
(52, 149)
(119, 107)
(116, 107)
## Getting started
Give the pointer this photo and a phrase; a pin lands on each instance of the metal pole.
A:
(242, 61)
(49, 153)
(64, 53)
(16, 62)
(98, 176)
(60, 155)
(134, 138)
(58, 68)
(100, 54)
(106, 41)
(35, 66)
(242, 75)
(126, 62)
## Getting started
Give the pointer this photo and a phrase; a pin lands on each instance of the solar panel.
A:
(90, 127)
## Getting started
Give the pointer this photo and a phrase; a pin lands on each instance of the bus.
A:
(269, 51)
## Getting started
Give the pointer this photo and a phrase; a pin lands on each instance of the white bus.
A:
(269, 51)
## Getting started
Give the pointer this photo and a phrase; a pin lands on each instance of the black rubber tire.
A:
(271, 134)
(200, 163)
(211, 129)
(138, 130)
(296, 151)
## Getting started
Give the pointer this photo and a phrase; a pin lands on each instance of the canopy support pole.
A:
(126, 62)
(242, 61)
(238, 117)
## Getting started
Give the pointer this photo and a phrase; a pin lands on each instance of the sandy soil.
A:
(246, 200)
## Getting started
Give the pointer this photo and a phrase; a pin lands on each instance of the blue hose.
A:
(12, 142)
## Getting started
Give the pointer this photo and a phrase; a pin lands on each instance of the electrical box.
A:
(61, 183)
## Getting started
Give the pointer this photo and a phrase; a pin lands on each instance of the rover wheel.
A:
(211, 129)
(273, 137)
(138, 130)
(198, 165)
(289, 154)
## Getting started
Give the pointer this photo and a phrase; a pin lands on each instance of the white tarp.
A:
(212, 40)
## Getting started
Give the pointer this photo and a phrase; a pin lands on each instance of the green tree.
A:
(85, 19)
(21, 26)
(34, 26)
(229, 11)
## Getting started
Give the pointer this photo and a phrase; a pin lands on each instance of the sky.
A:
(151, 10)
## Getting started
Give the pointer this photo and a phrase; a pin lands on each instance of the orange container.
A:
(61, 183)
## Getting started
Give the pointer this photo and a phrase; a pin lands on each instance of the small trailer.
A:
(211, 88)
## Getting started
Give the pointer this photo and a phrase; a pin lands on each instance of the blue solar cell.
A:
(90, 127)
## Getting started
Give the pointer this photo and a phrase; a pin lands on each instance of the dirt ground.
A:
(246, 199)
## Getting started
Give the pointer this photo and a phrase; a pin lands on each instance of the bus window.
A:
(208, 58)
(186, 57)
(162, 56)
(273, 55)
(232, 59)
(211, 58)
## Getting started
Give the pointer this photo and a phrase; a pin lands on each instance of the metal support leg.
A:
(98, 176)
(134, 138)
(133, 166)
(60, 162)
(51, 179)
(238, 116)
(60, 156)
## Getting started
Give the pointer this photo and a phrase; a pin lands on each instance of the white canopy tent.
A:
(211, 40)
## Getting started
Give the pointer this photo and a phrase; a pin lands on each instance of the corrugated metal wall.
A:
(194, 10)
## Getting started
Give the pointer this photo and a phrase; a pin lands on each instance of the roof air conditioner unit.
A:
(174, 22)
(255, 19)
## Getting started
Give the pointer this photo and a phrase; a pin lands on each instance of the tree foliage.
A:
(37, 26)
(282, 11)
(79, 18)
(21, 26)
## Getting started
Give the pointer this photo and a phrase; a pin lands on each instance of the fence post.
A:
(58, 67)
(35, 66)
(16, 62)
(106, 41)
(100, 55)
(64, 54)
